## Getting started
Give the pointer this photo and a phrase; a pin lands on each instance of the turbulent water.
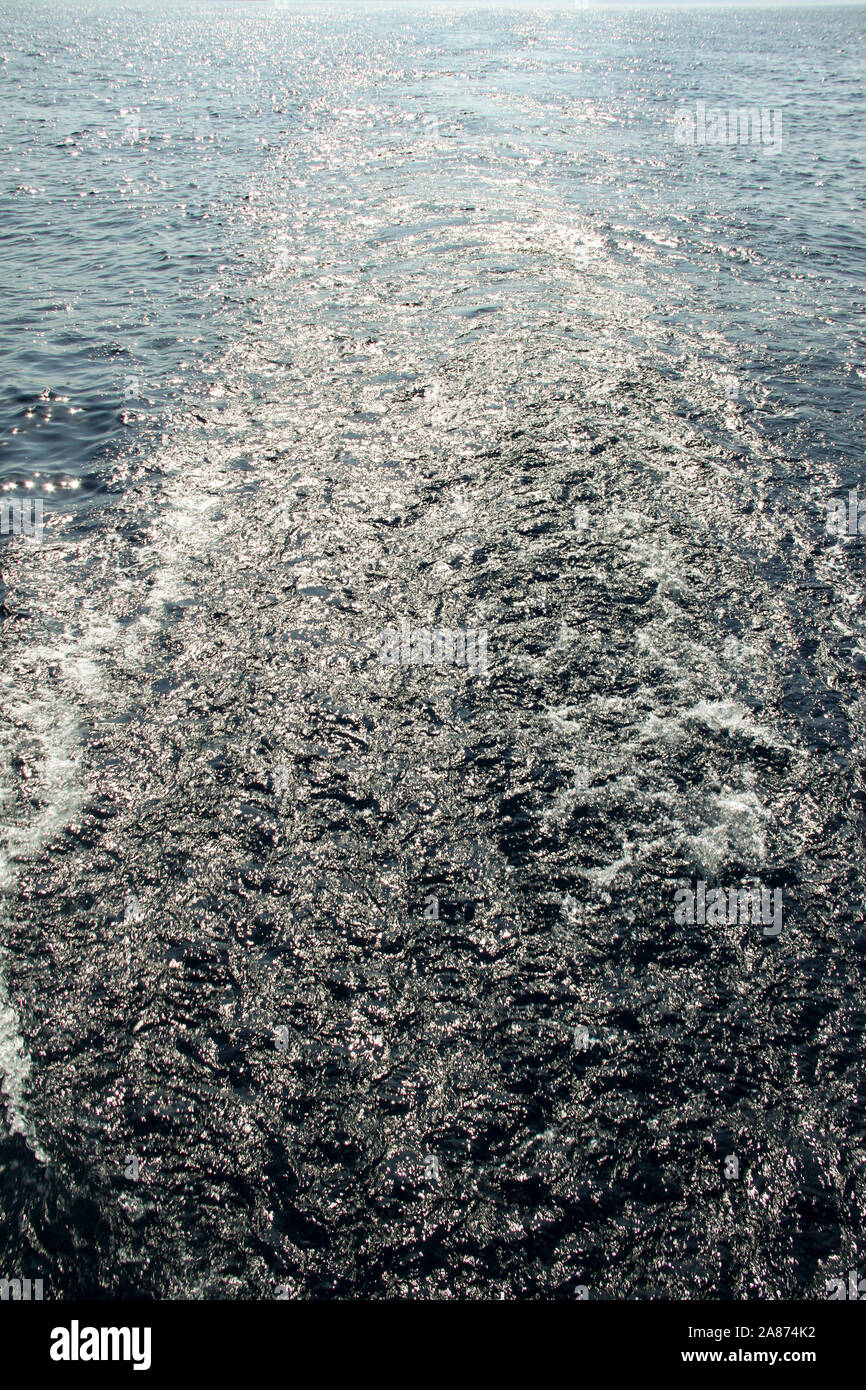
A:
(323, 975)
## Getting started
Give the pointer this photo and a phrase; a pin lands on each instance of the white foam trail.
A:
(14, 1071)
(49, 743)
(43, 730)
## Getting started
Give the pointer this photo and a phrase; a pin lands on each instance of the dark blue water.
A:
(323, 975)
